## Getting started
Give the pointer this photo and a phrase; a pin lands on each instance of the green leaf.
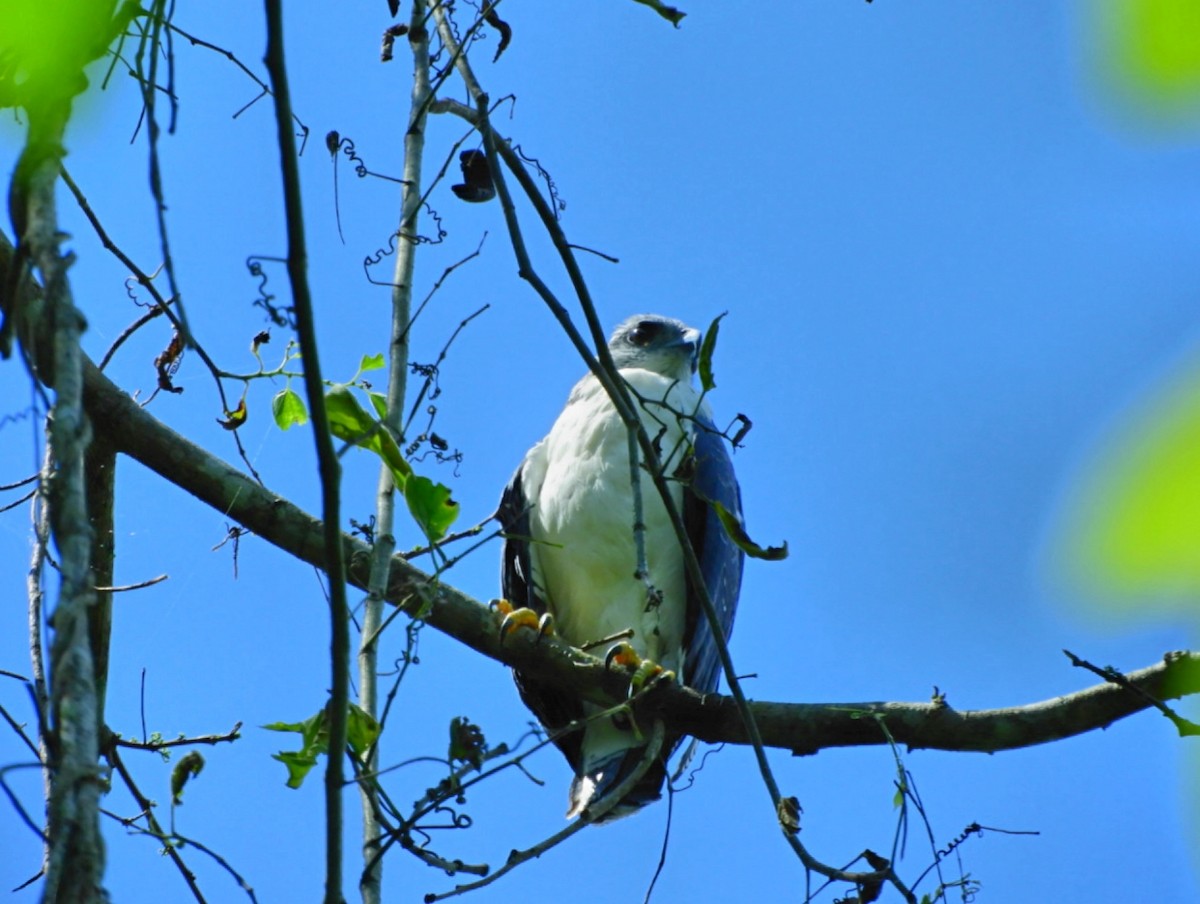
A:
(738, 534)
(1152, 46)
(189, 766)
(379, 403)
(670, 13)
(1133, 535)
(431, 506)
(314, 733)
(347, 419)
(298, 763)
(707, 347)
(45, 47)
(288, 410)
(350, 422)
(371, 362)
(361, 732)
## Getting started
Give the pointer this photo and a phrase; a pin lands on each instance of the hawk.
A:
(569, 550)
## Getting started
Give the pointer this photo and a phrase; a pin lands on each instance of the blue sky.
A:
(952, 265)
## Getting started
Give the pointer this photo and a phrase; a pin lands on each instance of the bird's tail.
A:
(596, 782)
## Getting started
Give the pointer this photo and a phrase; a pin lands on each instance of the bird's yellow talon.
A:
(623, 654)
(646, 672)
(514, 617)
(502, 607)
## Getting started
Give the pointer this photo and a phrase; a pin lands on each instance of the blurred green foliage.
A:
(1134, 529)
(45, 45)
(1149, 51)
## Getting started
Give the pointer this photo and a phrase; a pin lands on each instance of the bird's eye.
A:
(644, 333)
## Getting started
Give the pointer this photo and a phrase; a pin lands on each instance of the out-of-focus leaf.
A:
(189, 766)
(467, 743)
(361, 730)
(45, 47)
(738, 534)
(235, 418)
(1150, 49)
(1135, 527)
(501, 26)
(288, 409)
(431, 506)
(707, 347)
(670, 13)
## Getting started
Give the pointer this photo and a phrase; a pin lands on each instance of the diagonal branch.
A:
(802, 728)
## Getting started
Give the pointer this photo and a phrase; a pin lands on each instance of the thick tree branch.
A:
(75, 858)
(799, 727)
(802, 728)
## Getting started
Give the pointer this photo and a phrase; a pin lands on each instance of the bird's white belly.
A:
(584, 556)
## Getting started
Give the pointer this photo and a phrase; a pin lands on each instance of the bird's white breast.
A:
(584, 559)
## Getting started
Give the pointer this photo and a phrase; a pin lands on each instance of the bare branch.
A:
(801, 728)
(327, 464)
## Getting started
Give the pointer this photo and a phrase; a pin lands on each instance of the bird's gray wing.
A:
(553, 708)
(721, 559)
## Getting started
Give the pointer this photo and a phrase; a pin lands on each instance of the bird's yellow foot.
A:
(513, 617)
(645, 671)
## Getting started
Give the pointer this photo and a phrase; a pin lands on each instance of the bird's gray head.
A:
(660, 344)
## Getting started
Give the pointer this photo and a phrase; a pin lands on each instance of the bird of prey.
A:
(569, 551)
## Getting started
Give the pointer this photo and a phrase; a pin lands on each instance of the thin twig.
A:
(1185, 727)
(127, 587)
(15, 801)
(517, 857)
(602, 365)
(128, 332)
(229, 737)
(371, 879)
(159, 19)
(171, 841)
(327, 464)
(163, 306)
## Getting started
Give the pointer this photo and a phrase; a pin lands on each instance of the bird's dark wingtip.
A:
(593, 787)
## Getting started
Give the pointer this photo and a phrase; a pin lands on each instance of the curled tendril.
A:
(16, 417)
(457, 820)
(280, 316)
(690, 779)
(346, 145)
(438, 446)
(973, 829)
(375, 258)
(556, 200)
(131, 284)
